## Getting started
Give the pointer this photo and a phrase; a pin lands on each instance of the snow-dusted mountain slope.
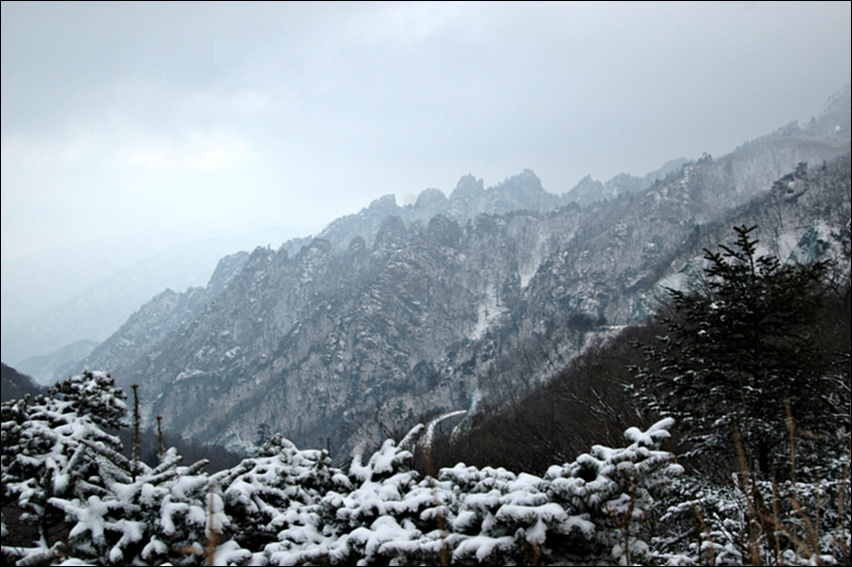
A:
(394, 315)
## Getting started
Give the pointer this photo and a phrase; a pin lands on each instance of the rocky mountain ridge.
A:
(65, 298)
(416, 314)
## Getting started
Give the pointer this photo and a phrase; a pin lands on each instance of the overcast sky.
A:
(168, 120)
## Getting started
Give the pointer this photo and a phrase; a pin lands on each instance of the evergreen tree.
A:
(740, 359)
(94, 394)
(273, 497)
(45, 457)
(143, 515)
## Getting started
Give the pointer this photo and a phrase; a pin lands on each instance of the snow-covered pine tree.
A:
(45, 456)
(737, 347)
(741, 370)
(501, 518)
(371, 522)
(612, 495)
(94, 394)
(144, 515)
(272, 500)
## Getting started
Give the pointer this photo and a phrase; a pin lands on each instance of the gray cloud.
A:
(194, 118)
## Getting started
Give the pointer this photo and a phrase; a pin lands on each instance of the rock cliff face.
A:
(316, 343)
(398, 313)
(157, 319)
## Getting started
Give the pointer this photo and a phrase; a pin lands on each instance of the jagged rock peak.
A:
(226, 270)
(467, 186)
(430, 198)
(384, 203)
(588, 183)
(392, 232)
(260, 255)
(527, 180)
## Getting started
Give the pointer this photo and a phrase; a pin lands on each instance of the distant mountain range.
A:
(16, 385)
(398, 313)
(56, 303)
